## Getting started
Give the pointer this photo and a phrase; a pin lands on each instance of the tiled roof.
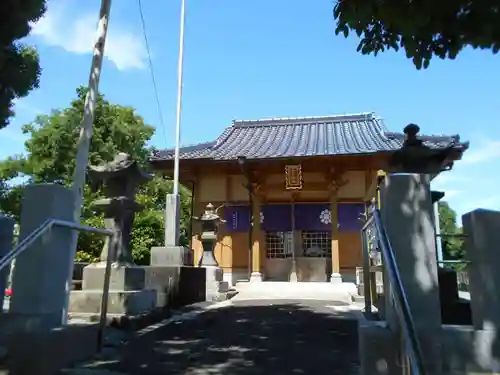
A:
(307, 136)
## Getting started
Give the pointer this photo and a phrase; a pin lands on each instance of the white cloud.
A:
(451, 194)
(485, 151)
(123, 47)
(12, 134)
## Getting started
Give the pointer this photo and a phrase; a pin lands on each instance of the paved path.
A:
(244, 338)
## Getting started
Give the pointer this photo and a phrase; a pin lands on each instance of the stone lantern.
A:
(209, 226)
(129, 293)
(415, 157)
(120, 180)
(215, 286)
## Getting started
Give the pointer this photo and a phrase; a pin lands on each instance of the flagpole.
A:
(83, 143)
(178, 123)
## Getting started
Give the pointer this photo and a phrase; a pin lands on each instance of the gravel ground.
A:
(244, 338)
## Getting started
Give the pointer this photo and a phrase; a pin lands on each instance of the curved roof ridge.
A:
(350, 134)
(362, 116)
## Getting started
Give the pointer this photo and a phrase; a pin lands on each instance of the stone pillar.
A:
(335, 277)
(172, 204)
(407, 215)
(482, 228)
(437, 226)
(256, 276)
(6, 236)
(171, 254)
(39, 281)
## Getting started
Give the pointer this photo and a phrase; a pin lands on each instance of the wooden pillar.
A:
(227, 257)
(256, 236)
(335, 277)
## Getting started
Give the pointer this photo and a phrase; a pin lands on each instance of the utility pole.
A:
(176, 197)
(82, 154)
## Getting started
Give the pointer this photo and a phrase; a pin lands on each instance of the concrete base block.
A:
(378, 349)
(214, 279)
(120, 302)
(256, 277)
(223, 287)
(123, 278)
(47, 352)
(228, 276)
(172, 256)
(6, 234)
(12, 323)
(336, 278)
(214, 274)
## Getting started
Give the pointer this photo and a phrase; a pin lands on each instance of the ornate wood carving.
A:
(336, 179)
(293, 177)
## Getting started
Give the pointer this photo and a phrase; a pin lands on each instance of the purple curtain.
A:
(316, 217)
(350, 219)
(237, 218)
(276, 217)
(313, 217)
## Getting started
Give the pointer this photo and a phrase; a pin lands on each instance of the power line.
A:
(151, 70)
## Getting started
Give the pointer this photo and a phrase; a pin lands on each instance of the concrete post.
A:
(170, 216)
(6, 236)
(482, 228)
(407, 215)
(171, 254)
(39, 280)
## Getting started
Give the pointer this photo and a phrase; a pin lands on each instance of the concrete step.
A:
(219, 297)
(325, 291)
(357, 298)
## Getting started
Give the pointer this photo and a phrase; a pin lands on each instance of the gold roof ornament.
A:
(293, 177)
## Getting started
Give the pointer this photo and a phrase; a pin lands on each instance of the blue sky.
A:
(249, 60)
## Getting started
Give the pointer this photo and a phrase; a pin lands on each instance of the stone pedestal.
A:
(215, 286)
(255, 277)
(171, 255)
(336, 278)
(41, 272)
(127, 291)
(6, 235)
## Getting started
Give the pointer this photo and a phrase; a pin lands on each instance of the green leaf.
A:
(423, 29)
(49, 158)
(345, 30)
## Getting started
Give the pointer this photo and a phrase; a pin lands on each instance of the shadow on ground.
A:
(278, 338)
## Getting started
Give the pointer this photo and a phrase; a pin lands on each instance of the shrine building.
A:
(304, 181)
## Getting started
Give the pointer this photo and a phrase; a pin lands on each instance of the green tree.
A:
(19, 65)
(50, 158)
(424, 29)
(453, 247)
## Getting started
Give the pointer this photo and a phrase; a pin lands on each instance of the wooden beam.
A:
(229, 188)
(371, 186)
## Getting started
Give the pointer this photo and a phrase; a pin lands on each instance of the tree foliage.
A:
(453, 247)
(422, 28)
(19, 65)
(50, 158)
